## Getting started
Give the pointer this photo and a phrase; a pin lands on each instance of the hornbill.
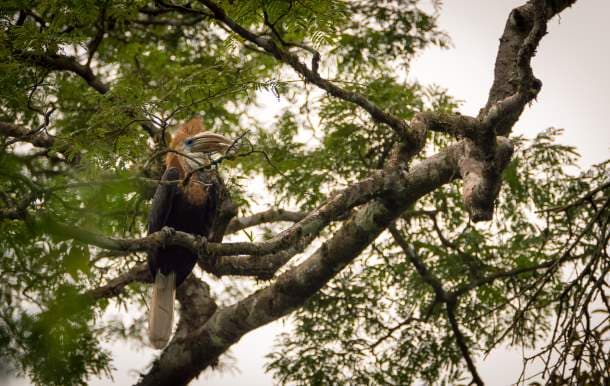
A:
(189, 204)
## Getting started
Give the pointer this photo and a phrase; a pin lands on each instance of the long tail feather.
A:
(162, 309)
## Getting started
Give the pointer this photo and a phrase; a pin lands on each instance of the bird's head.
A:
(195, 147)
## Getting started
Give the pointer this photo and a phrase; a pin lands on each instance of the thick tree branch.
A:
(481, 170)
(309, 227)
(196, 306)
(506, 70)
(514, 86)
(454, 124)
(182, 360)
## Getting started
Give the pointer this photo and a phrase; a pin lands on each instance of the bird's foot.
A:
(168, 233)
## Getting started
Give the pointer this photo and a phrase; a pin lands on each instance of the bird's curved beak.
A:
(208, 142)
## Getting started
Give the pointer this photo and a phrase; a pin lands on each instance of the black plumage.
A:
(188, 200)
(171, 208)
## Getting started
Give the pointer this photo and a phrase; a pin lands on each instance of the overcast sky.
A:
(573, 62)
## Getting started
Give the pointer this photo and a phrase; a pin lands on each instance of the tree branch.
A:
(36, 138)
(309, 227)
(585, 197)
(262, 267)
(270, 215)
(481, 170)
(19, 211)
(414, 139)
(59, 62)
(94, 43)
(506, 69)
(170, 22)
(450, 300)
(514, 86)
(117, 285)
(184, 359)
(454, 124)
(421, 268)
(482, 166)
(461, 342)
(196, 306)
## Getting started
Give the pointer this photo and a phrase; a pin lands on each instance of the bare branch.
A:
(481, 169)
(506, 70)
(587, 196)
(271, 215)
(419, 265)
(461, 342)
(455, 124)
(514, 86)
(116, 286)
(261, 267)
(441, 295)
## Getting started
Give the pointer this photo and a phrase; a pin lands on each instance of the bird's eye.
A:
(189, 141)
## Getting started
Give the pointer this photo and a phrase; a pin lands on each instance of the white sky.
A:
(573, 63)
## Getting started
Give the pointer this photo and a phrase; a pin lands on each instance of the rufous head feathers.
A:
(193, 142)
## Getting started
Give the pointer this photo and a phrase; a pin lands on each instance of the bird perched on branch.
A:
(191, 205)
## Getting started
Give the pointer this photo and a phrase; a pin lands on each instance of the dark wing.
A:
(224, 209)
(160, 210)
(162, 201)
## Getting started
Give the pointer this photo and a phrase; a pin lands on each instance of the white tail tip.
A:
(161, 315)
